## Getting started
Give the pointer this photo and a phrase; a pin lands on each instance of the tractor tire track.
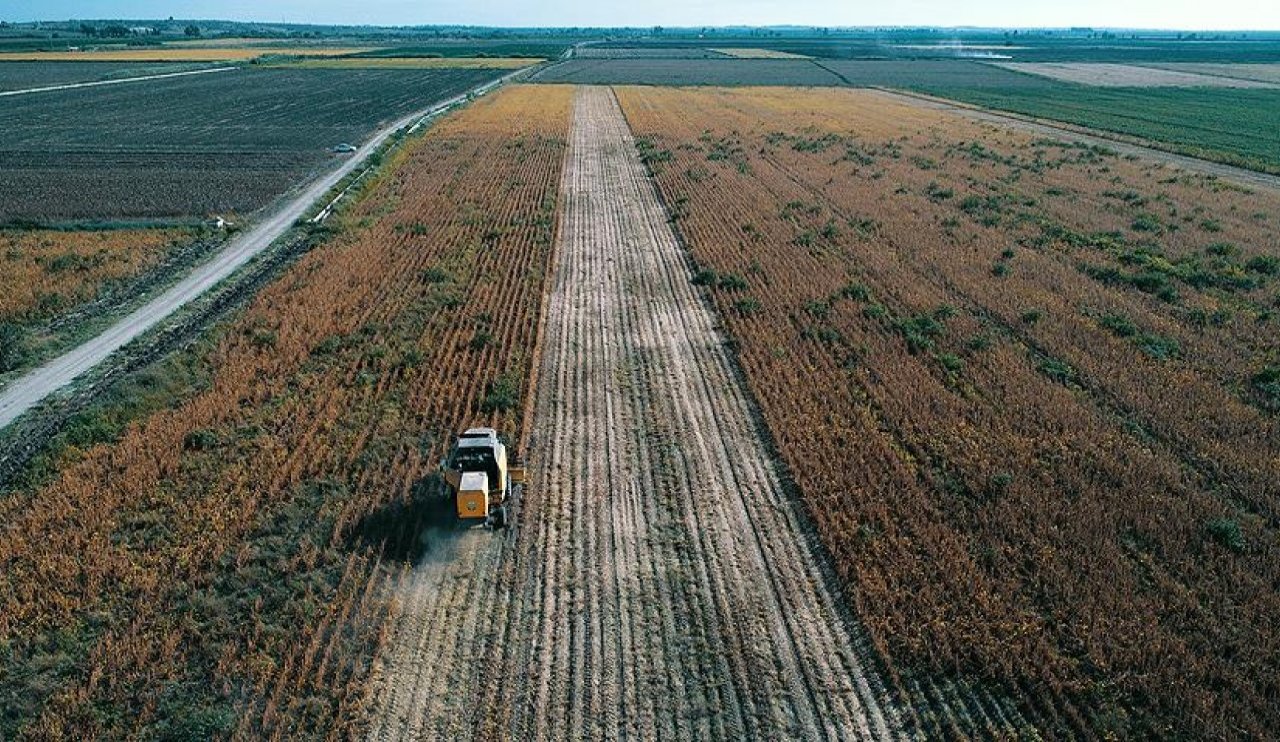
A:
(660, 580)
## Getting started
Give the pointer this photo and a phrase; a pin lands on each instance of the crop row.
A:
(218, 568)
(1029, 468)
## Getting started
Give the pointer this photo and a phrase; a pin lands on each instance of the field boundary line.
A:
(839, 75)
(1124, 144)
(98, 83)
(26, 392)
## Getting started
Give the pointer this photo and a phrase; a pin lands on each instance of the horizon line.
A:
(729, 26)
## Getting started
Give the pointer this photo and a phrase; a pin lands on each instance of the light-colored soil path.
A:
(25, 392)
(120, 81)
(660, 581)
(1071, 133)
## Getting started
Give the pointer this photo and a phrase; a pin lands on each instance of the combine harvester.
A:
(481, 481)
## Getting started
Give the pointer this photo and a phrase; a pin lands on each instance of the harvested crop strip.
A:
(659, 583)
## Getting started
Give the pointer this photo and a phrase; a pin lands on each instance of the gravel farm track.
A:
(660, 580)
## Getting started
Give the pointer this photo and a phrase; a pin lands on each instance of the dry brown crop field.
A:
(55, 283)
(845, 417)
(1027, 389)
(45, 271)
(218, 570)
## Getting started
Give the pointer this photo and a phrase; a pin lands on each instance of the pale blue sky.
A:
(1172, 14)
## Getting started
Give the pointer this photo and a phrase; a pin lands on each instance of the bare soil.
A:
(661, 580)
(1107, 75)
(748, 53)
(1262, 72)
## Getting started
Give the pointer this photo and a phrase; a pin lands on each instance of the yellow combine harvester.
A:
(481, 479)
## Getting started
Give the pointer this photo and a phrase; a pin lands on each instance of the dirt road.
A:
(98, 83)
(27, 391)
(660, 582)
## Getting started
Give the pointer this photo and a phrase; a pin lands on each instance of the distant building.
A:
(142, 30)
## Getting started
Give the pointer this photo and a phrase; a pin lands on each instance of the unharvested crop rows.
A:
(659, 582)
(50, 279)
(1041, 366)
(42, 272)
(217, 568)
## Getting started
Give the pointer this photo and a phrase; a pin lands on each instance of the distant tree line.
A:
(119, 31)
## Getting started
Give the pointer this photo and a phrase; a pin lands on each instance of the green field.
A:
(1238, 127)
